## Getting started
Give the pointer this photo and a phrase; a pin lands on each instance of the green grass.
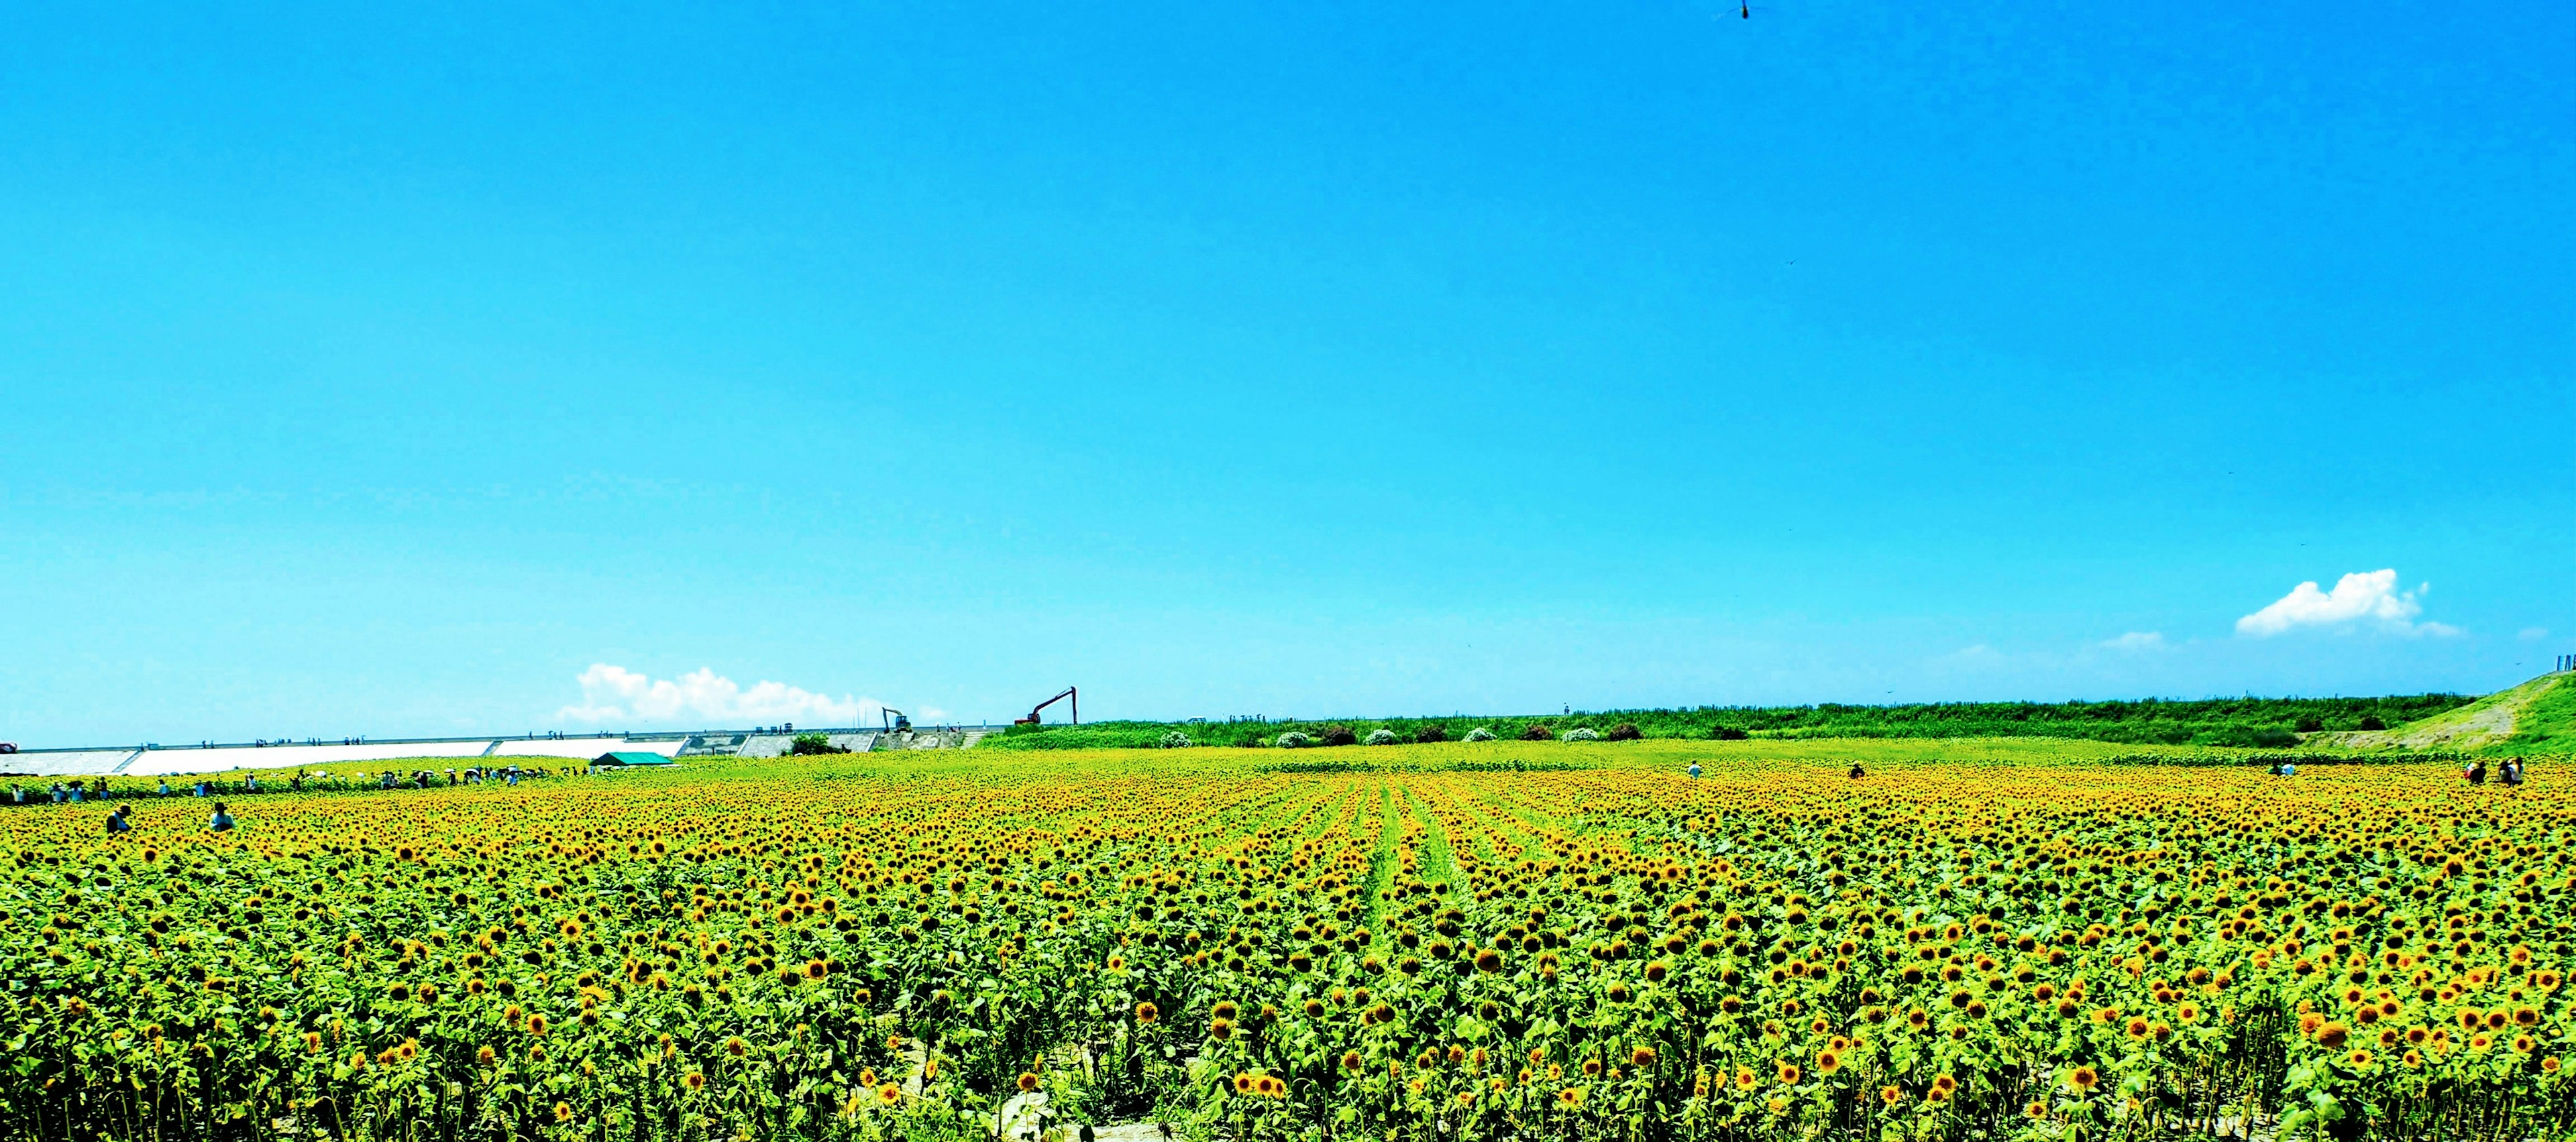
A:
(2230, 722)
(2547, 725)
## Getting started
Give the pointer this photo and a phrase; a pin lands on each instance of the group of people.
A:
(80, 790)
(120, 820)
(2508, 774)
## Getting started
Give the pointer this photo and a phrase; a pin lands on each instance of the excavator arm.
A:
(1034, 711)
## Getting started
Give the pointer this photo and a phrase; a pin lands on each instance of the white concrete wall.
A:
(583, 748)
(161, 762)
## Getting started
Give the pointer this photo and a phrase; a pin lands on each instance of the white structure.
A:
(155, 761)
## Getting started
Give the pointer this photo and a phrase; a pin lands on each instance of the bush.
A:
(1728, 734)
(1383, 736)
(2274, 738)
(1535, 732)
(1292, 740)
(1340, 735)
(1583, 734)
(1626, 732)
(1177, 740)
(1433, 733)
(2310, 724)
(2372, 722)
(810, 744)
(1479, 734)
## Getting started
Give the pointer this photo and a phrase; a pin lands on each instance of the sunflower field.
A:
(1597, 948)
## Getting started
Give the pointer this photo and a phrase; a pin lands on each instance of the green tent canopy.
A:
(632, 757)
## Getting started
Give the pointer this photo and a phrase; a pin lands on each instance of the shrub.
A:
(1339, 735)
(1292, 740)
(1535, 732)
(2372, 722)
(1434, 732)
(810, 744)
(1479, 734)
(2310, 724)
(1177, 740)
(1583, 734)
(1383, 736)
(1626, 732)
(1728, 734)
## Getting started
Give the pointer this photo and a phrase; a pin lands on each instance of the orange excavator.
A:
(1032, 719)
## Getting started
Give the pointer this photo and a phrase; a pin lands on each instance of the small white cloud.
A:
(2533, 634)
(2363, 598)
(2137, 641)
(616, 694)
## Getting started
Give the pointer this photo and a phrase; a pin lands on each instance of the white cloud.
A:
(2533, 634)
(2363, 598)
(616, 694)
(2137, 641)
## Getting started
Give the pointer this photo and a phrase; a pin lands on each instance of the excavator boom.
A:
(1032, 719)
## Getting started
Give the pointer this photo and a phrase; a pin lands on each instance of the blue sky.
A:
(397, 372)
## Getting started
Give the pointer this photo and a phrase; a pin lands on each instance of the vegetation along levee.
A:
(1992, 939)
(2262, 723)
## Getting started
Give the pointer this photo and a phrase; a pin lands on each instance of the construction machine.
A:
(1032, 719)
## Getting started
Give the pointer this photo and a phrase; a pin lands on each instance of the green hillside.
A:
(2547, 723)
(2538, 716)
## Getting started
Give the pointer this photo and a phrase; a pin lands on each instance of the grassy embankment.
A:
(2266, 723)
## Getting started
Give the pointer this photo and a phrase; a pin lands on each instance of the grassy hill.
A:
(2538, 716)
(2547, 724)
(2245, 722)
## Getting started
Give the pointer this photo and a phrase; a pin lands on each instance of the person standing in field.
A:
(2512, 774)
(116, 822)
(221, 821)
(1856, 773)
(2476, 773)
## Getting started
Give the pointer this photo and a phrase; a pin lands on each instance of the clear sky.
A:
(487, 369)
